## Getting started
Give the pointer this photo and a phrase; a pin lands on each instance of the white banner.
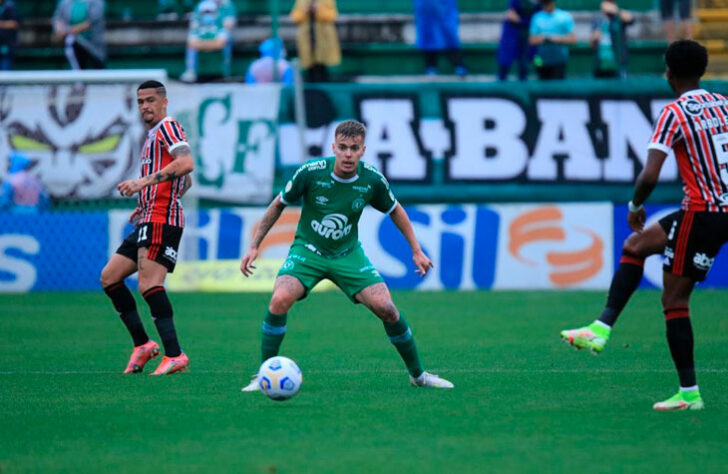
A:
(82, 139)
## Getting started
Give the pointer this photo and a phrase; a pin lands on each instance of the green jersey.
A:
(331, 206)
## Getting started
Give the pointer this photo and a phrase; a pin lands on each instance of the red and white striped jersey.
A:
(695, 126)
(161, 202)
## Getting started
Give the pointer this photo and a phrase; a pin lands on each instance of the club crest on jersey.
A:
(358, 204)
(170, 254)
(693, 107)
(321, 200)
(332, 226)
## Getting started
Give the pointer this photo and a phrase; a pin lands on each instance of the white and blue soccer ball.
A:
(279, 378)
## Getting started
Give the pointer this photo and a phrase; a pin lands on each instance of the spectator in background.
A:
(9, 24)
(552, 31)
(211, 28)
(80, 24)
(514, 45)
(609, 40)
(171, 9)
(21, 191)
(272, 58)
(437, 30)
(685, 23)
(316, 37)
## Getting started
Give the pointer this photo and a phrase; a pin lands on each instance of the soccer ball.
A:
(279, 378)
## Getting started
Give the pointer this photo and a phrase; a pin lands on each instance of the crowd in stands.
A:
(536, 37)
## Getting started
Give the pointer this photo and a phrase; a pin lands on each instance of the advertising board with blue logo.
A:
(472, 247)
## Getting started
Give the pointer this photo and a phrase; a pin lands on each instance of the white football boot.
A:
(253, 386)
(427, 379)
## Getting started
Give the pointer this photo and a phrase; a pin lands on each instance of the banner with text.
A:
(83, 139)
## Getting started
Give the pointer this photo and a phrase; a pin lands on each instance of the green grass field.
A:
(523, 401)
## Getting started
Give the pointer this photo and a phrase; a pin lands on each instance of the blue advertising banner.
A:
(53, 251)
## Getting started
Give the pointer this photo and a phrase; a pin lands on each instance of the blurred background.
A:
(511, 130)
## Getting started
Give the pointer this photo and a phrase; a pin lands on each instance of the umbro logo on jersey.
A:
(332, 226)
(171, 254)
(702, 261)
(321, 200)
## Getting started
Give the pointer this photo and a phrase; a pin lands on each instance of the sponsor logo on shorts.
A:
(702, 261)
(668, 256)
(672, 230)
(332, 226)
(170, 254)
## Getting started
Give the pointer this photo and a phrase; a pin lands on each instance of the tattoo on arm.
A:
(181, 150)
(269, 218)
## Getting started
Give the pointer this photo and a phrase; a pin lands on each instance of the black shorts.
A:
(693, 241)
(160, 240)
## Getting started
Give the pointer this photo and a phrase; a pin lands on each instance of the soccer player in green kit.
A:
(334, 192)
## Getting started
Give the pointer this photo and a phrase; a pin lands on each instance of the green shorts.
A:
(352, 273)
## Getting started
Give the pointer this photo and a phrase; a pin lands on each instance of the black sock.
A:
(125, 305)
(624, 282)
(162, 313)
(680, 340)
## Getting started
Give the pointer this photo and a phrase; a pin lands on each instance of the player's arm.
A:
(182, 164)
(646, 182)
(266, 223)
(401, 220)
(187, 185)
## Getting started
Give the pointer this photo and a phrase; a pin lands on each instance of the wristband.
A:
(633, 208)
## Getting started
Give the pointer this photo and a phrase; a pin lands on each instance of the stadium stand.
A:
(711, 31)
(377, 36)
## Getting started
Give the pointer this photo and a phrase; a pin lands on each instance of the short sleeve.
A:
(667, 131)
(383, 199)
(568, 23)
(296, 186)
(535, 29)
(173, 135)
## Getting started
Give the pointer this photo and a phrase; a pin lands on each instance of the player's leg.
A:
(301, 271)
(286, 291)
(377, 298)
(676, 307)
(151, 285)
(625, 281)
(121, 265)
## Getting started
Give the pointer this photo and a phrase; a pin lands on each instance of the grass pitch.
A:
(523, 401)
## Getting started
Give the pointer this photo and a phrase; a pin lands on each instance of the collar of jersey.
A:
(693, 92)
(343, 180)
(154, 129)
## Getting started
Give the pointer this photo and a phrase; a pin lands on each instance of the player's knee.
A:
(107, 277)
(387, 312)
(281, 302)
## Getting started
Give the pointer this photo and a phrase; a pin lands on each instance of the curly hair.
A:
(686, 59)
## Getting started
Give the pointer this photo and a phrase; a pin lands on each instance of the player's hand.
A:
(136, 214)
(129, 187)
(422, 262)
(246, 265)
(636, 220)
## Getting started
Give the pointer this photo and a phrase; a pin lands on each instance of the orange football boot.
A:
(170, 365)
(140, 356)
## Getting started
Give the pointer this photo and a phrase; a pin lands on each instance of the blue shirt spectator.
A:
(21, 191)
(552, 31)
(261, 70)
(437, 23)
(514, 44)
